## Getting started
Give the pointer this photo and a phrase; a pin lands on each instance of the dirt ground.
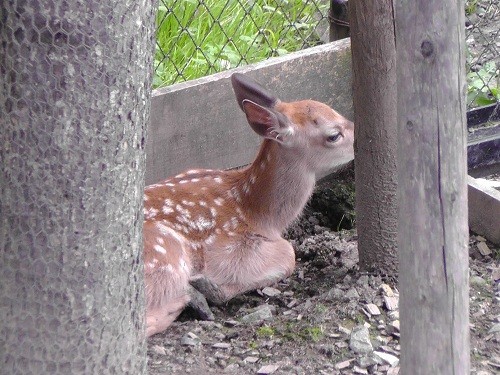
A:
(327, 318)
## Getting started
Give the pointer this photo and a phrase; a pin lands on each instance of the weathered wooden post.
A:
(374, 94)
(74, 104)
(432, 190)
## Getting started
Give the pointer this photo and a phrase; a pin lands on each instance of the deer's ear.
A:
(266, 122)
(246, 88)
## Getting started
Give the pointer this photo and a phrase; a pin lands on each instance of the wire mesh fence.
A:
(483, 52)
(200, 37)
(196, 38)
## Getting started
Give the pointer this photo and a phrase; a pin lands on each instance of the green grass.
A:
(196, 38)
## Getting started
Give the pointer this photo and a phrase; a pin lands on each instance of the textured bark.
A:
(374, 93)
(432, 188)
(74, 105)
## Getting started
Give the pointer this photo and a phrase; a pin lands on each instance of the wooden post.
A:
(374, 93)
(432, 191)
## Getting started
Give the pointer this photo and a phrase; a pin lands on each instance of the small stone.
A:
(495, 328)
(159, 350)
(373, 309)
(190, 339)
(251, 359)
(481, 238)
(483, 248)
(387, 358)
(260, 313)
(359, 341)
(344, 364)
(495, 274)
(358, 370)
(270, 292)
(391, 303)
(268, 369)
(386, 290)
(221, 345)
(367, 361)
(393, 327)
(352, 293)
(477, 281)
(292, 303)
(231, 323)
(393, 371)
(347, 331)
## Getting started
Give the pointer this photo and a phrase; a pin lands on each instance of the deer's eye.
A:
(334, 137)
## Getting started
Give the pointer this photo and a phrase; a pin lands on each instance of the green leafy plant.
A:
(197, 38)
(483, 85)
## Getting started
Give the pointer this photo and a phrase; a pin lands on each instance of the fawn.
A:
(224, 227)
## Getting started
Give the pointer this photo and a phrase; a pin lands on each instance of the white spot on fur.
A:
(193, 171)
(165, 230)
(183, 181)
(150, 212)
(160, 249)
(252, 179)
(218, 180)
(219, 201)
(218, 231)
(188, 203)
(160, 240)
(202, 203)
(203, 223)
(268, 157)
(235, 194)
(210, 240)
(167, 268)
(195, 180)
(246, 188)
(213, 211)
(183, 211)
(180, 175)
(167, 210)
(169, 184)
(146, 198)
(168, 202)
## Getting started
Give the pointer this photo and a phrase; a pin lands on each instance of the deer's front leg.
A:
(247, 265)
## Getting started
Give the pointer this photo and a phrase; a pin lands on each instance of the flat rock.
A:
(373, 309)
(268, 369)
(392, 360)
(270, 292)
(221, 345)
(391, 303)
(344, 364)
(260, 313)
(359, 341)
(190, 339)
(483, 248)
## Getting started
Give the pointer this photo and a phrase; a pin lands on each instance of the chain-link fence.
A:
(483, 52)
(200, 37)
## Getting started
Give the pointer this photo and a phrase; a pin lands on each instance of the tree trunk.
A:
(374, 90)
(432, 188)
(76, 80)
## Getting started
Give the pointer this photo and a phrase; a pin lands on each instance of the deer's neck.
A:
(275, 187)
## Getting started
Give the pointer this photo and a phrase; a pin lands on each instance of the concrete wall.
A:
(198, 124)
